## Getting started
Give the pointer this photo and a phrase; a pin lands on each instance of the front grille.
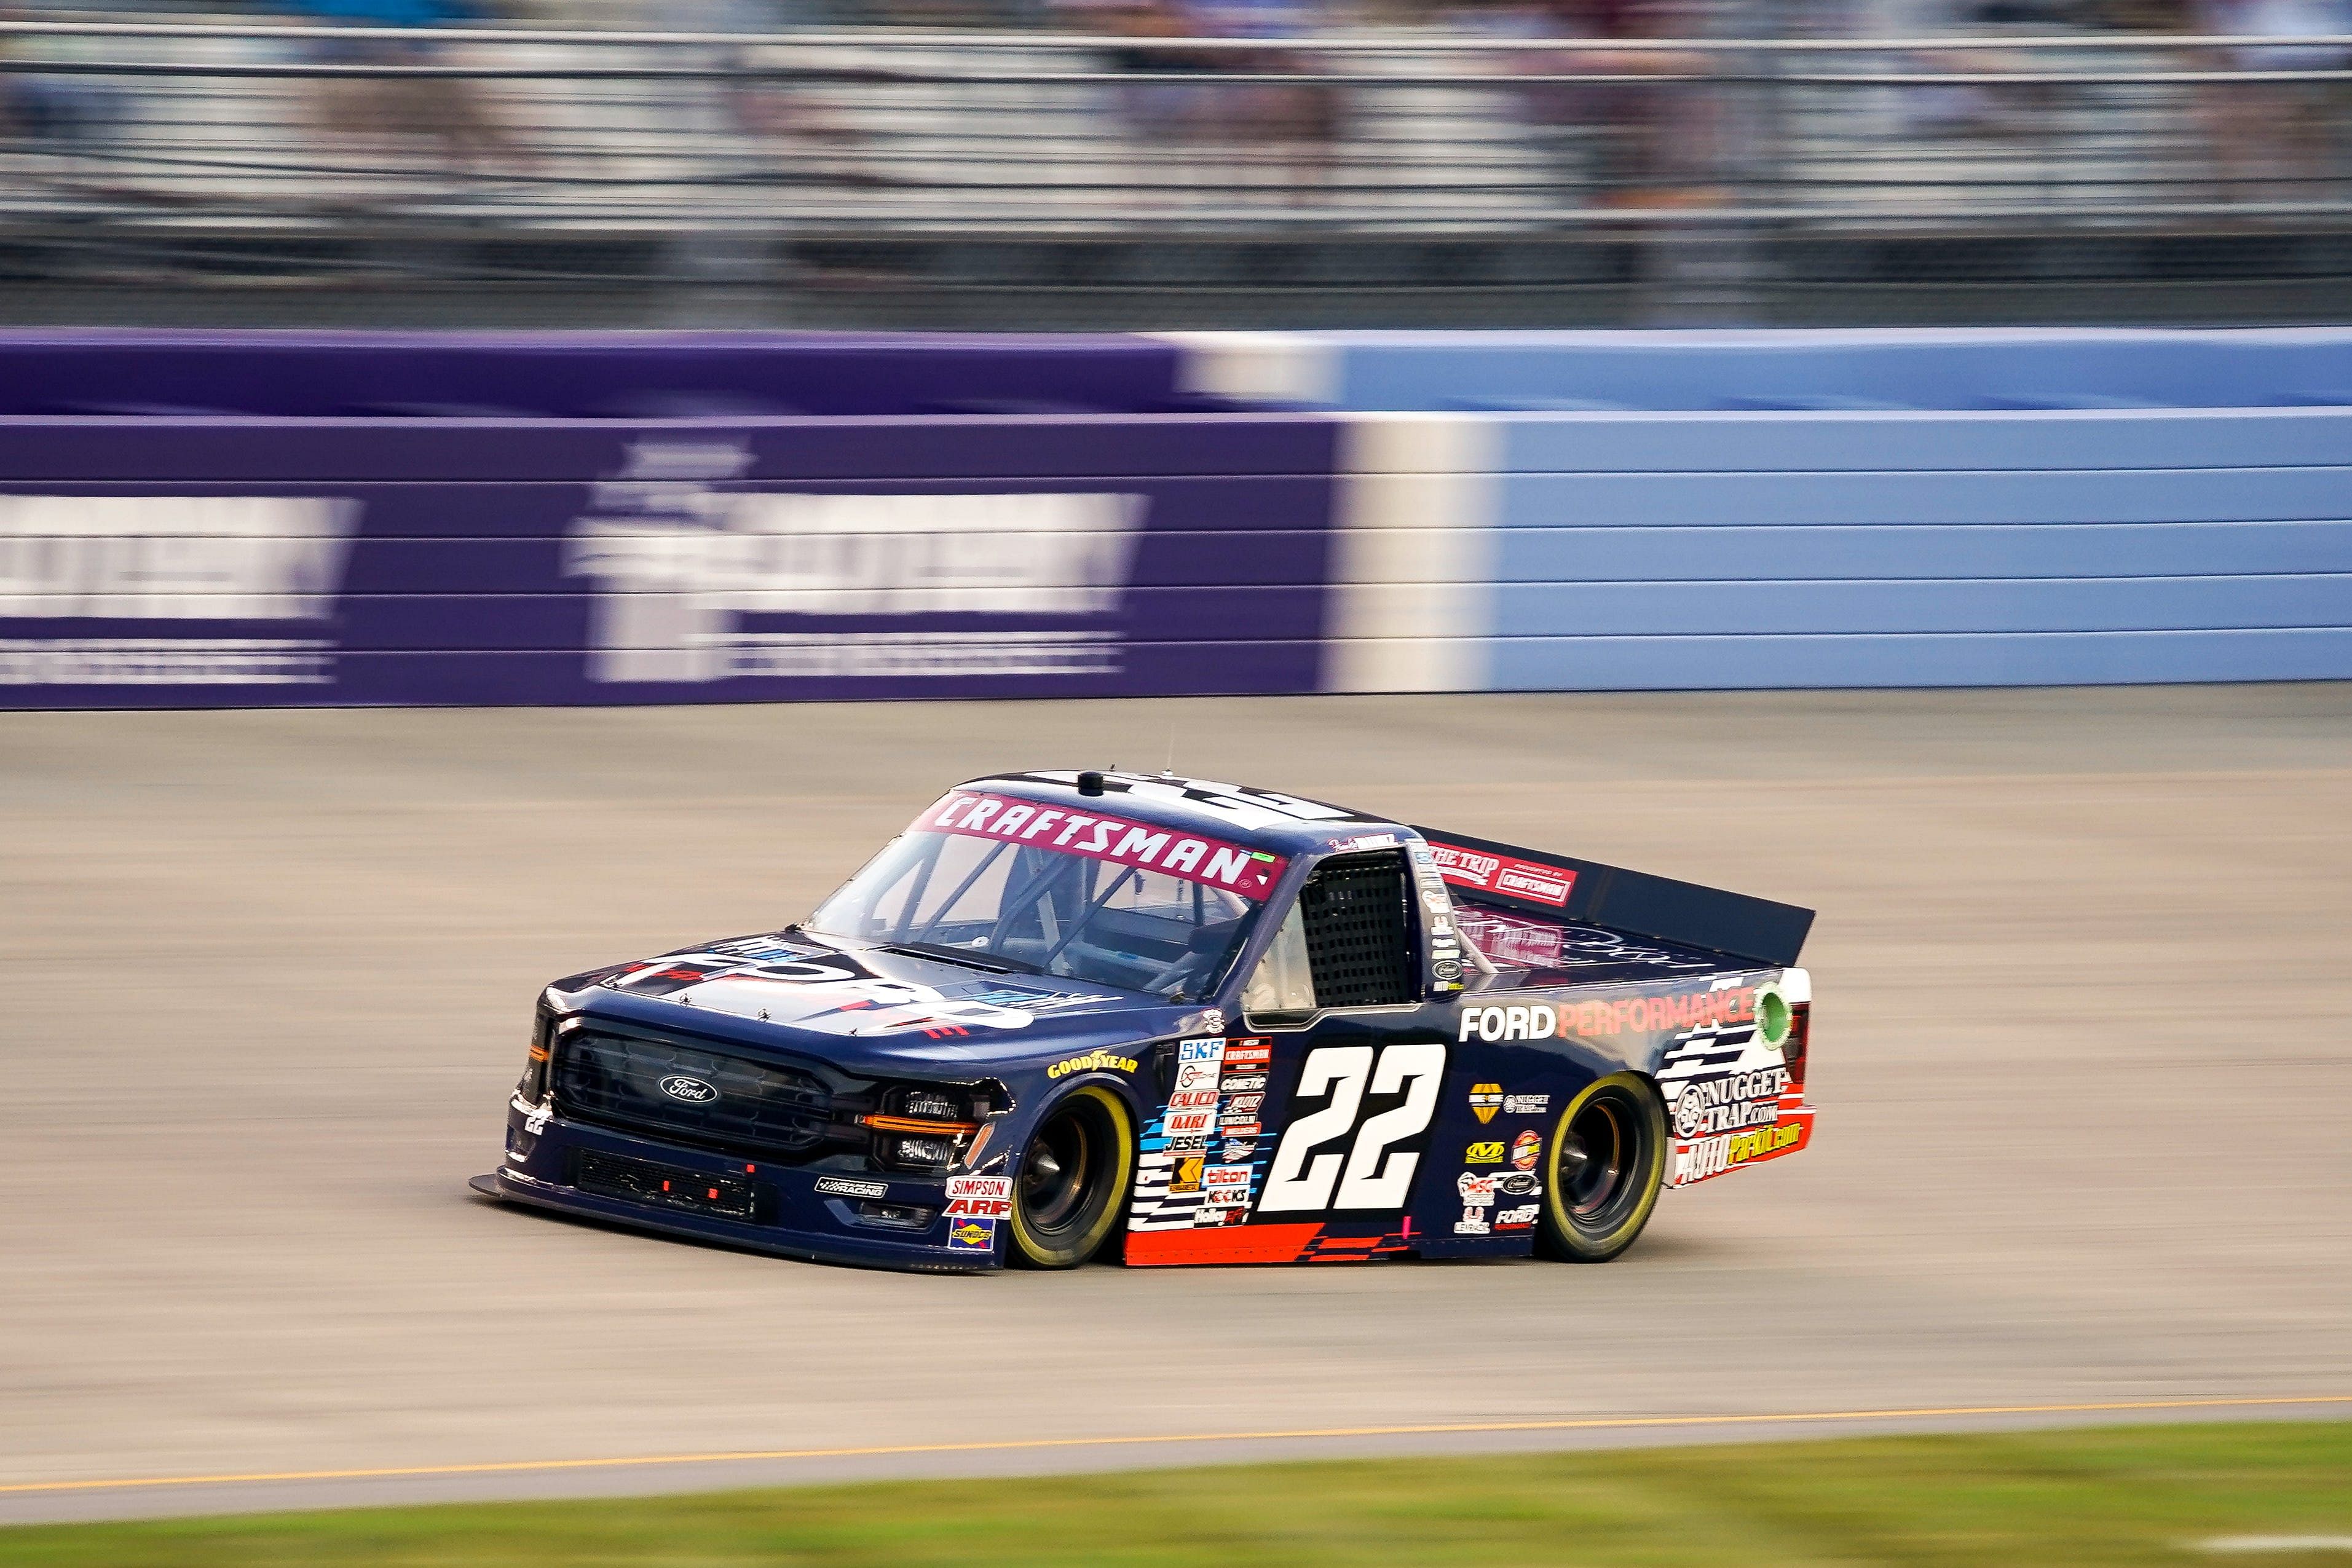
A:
(730, 1103)
(612, 1176)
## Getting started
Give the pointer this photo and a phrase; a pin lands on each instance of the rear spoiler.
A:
(1634, 901)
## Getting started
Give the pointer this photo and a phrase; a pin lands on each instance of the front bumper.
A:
(790, 1217)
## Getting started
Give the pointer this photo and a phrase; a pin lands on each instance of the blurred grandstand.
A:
(1164, 162)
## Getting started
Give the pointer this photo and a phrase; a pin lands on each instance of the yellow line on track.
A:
(1591, 1425)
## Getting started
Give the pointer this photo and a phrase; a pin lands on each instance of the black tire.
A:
(1074, 1179)
(1603, 1169)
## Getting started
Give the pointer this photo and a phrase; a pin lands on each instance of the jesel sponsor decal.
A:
(1092, 1061)
(1544, 1020)
(1237, 868)
(1485, 1098)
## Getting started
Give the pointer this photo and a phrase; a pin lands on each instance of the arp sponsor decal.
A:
(1544, 1020)
(1237, 868)
(840, 1186)
(1525, 1150)
(1092, 1061)
(1485, 1098)
(1504, 873)
(980, 1196)
(1730, 1104)
(1525, 1104)
(971, 1234)
(1489, 1153)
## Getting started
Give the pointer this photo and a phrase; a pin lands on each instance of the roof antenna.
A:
(1169, 772)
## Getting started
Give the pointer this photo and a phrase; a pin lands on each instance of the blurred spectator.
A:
(56, 112)
(379, 115)
(2275, 140)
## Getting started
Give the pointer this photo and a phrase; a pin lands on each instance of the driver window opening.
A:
(1346, 943)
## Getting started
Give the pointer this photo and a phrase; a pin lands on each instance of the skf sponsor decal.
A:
(1233, 867)
(972, 1235)
(1543, 1020)
(1092, 1061)
(1525, 1148)
(1484, 1154)
(979, 1197)
(1504, 873)
(1485, 1098)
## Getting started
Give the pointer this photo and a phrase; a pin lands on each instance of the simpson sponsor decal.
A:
(1237, 868)
(979, 1197)
(1544, 1020)
(1092, 1061)
(1503, 873)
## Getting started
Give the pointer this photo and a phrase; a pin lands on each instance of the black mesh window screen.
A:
(1359, 931)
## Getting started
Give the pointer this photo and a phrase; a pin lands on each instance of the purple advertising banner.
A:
(158, 562)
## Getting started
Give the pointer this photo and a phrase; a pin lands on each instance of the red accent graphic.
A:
(1237, 868)
(1503, 873)
(1242, 1244)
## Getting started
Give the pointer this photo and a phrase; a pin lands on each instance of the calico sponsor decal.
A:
(1488, 1154)
(1192, 1099)
(980, 1196)
(1485, 1098)
(1525, 1149)
(1545, 1020)
(1504, 873)
(1092, 1061)
(1237, 868)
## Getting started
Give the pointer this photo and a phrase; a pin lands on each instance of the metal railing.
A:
(184, 124)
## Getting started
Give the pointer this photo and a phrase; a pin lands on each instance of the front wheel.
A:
(1074, 1178)
(1604, 1169)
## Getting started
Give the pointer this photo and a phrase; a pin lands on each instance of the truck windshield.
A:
(1088, 897)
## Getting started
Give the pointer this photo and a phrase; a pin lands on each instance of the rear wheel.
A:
(1604, 1170)
(1074, 1178)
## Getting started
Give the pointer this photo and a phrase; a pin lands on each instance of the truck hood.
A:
(869, 1007)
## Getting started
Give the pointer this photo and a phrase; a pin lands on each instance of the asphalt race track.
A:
(2084, 963)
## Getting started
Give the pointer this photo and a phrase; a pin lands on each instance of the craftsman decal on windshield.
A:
(1233, 867)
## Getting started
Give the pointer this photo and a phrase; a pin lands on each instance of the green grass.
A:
(2119, 1495)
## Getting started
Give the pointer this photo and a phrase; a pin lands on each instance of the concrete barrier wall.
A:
(355, 519)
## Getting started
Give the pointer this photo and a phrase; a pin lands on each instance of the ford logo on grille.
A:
(693, 1091)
